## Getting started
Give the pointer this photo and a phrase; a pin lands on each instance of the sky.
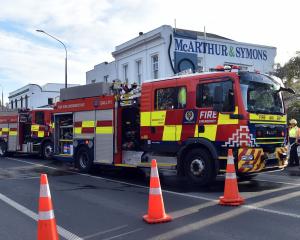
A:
(92, 28)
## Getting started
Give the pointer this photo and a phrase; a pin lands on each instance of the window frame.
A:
(214, 81)
(177, 91)
(155, 66)
(125, 68)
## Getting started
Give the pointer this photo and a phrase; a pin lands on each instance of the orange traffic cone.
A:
(156, 209)
(46, 223)
(231, 192)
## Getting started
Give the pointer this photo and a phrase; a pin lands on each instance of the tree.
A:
(290, 74)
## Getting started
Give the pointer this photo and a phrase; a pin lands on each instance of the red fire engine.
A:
(185, 122)
(26, 131)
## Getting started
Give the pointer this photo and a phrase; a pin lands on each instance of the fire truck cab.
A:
(26, 131)
(186, 122)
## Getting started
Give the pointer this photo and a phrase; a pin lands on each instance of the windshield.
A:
(260, 93)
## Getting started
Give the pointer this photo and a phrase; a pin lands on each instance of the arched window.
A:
(21, 102)
(16, 103)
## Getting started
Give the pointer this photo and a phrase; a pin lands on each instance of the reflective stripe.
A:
(155, 191)
(77, 130)
(13, 133)
(172, 132)
(48, 215)
(158, 118)
(88, 123)
(35, 128)
(5, 130)
(230, 176)
(210, 132)
(230, 160)
(41, 134)
(44, 190)
(145, 119)
(104, 130)
(154, 172)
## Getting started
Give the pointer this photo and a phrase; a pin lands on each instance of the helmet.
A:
(293, 121)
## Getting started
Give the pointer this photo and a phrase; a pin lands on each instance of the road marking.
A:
(105, 231)
(25, 178)
(123, 234)
(175, 233)
(246, 206)
(62, 232)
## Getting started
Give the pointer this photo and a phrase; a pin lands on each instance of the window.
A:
(21, 102)
(170, 98)
(93, 81)
(154, 62)
(125, 73)
(39, 118)
(16, 103)
(206, 95)
(50, 101)
(106, 78)
(138, 71)
(11, 104)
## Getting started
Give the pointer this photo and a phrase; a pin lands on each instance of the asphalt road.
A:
(110, 204)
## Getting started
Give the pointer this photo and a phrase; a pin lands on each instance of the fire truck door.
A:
(104, 140)
(13, 136)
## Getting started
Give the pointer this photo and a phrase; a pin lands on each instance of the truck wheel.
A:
(3, 149)
(199, 167)
(47, 150)
(84, 161)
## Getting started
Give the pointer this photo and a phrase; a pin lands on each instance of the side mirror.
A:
(218, 99)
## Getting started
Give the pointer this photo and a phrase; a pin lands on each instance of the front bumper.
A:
(261, 161)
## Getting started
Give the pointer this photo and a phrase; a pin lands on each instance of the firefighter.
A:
(293, 141)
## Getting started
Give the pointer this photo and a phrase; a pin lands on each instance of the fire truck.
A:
(185, 122)
(26, 131)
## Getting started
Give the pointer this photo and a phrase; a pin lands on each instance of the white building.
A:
(35, 96)
(165, 51)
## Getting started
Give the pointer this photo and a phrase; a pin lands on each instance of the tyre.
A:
(3, 149)
(199, 167)
(84, 162)
(47, 150)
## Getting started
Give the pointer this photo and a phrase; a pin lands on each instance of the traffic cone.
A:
(46, 223)
(156, 209)
(231, 192)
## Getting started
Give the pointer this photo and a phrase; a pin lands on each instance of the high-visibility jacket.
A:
(293, 132)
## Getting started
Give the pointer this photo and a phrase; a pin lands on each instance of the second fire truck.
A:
(187, 123)
(26, 131)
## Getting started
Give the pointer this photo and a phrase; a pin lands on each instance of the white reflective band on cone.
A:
(155, 191)
(48, 215)
(154, 172)
(230, 175)
(44, 190)
(230, 160)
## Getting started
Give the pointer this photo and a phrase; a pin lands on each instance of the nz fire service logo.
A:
(241, 138)
(189, 116)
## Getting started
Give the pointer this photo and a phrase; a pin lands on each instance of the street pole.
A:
(2, 103)
(66, 58)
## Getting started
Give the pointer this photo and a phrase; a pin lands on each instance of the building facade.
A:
(166, 51)
(34, 96)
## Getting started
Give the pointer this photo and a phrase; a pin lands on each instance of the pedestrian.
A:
(293, 141)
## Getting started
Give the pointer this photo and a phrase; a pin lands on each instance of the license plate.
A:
(271, 155)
